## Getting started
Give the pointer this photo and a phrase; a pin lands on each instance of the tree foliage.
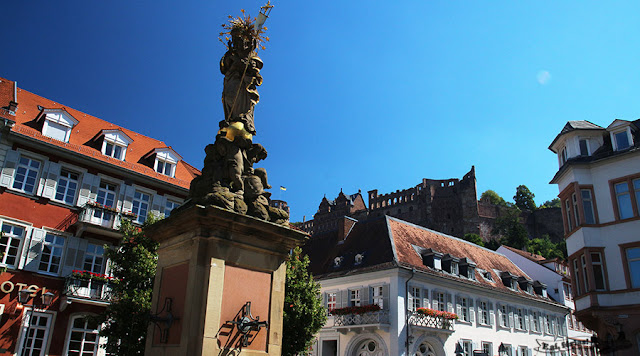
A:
(512, 232)
(304, 313)
(474, 238)
(546, 248)
(553, 203)
(133, 265)
(524, 198)
(493, 198)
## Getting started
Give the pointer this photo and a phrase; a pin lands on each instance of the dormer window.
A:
(487, 276)
(508, 280)
(165, 160)
(584, 147)
(450, 264)
(431, 258)
(620, 133)
(540, 288)
(622, 140)
(115, 143)
(337, 261)
(525, 284)
(563, 156)
(467, 268)
(57, 124)
(358, 259)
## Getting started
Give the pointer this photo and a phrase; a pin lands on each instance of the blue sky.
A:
(356, 94)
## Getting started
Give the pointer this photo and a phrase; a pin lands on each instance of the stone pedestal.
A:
(211, 262)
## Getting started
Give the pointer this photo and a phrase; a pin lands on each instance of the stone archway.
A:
(369, 344)
(427, 346)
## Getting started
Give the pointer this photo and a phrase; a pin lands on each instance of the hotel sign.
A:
(8, 287)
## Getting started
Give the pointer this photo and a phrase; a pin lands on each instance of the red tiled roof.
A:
(388, 242)
(528, 255)
(85, 131)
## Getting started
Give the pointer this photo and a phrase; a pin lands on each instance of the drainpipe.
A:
(15, 91)
(406, 308)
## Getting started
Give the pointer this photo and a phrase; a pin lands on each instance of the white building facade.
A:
(555, 274)
(403, 268)
(599, 184)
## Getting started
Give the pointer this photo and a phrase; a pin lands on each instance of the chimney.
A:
(345, 224)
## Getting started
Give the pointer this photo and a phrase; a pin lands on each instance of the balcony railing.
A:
(377, 317)
(88, 288)
(102, 216)
(428, 321)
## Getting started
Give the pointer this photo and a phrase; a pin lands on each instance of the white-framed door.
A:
(35, 333)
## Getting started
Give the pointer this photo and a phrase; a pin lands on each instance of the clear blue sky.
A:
(356, 94)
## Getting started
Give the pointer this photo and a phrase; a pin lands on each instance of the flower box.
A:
(437, 313)
(356, 309)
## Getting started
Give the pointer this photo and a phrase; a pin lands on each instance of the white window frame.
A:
(25, 327)
(100, 341)
(160, 166)
(519, 320)
(464, 309)
(442, 301)
(65, 194)
(548, 326)
(60, 247)
(487, 347)
(535, 318)
(484, 318)
(332, 301)
(503, 311)
(138, 203)
(614, 138)
(523, 351)
(354, 297)
(377, 296)
(115, 138)
(18, 257)
(174, 203)
(59, 119)
(27, 168)
(93, 256)
(415, 297)
(467, 347)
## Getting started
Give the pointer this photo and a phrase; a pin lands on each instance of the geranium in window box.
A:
(437, 313)
(356, 309)
(78, 274)
(95, 204)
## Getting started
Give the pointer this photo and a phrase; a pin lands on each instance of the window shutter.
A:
(526, 319)
(82, 247)
(9, 169)
(324, 299)
(492, 314)
(43, 178)
(34, 252)
(541, 327)
(364, 296)
(385, 296)
(345, 298)
(88, 188)
(511, 311)
(529, 351)
(157, 208)
(425, 298)
(52, 180)
(434, 298)
(409, 299)
(458, 306)
(471, 310)
(70, 256)
(449, 303)
(127, 201)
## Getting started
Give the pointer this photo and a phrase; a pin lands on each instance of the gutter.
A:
(406, 304)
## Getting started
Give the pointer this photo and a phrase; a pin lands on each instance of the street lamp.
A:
(502, 350)
(459, 351)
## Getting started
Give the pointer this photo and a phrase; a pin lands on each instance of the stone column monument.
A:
(219, 289)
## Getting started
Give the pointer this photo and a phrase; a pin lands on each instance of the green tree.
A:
(304, 313)
(493, 198)
(510, 229)
(474, 238)
(553, 203)
(133, 265)
(524, 198)
(546, 248)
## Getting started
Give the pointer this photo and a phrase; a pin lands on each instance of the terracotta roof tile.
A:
(85, 132)
(528, 255)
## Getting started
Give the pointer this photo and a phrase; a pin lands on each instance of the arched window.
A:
(369, 348)
(425, 349)
(83, 337)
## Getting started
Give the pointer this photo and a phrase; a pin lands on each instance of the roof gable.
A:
(59, 116)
